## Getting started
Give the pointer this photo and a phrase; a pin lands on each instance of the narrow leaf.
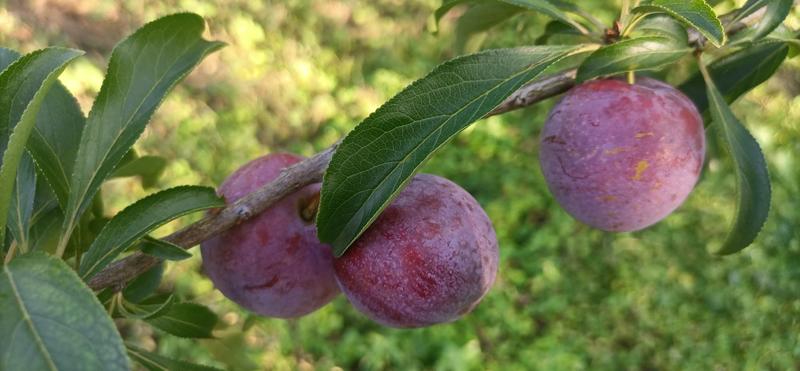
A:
(171, 46)
(23, 86)
(145, 284)
(52, 321)
(494, 8)
(186, 320)
(138, 219)
(775, 14)
(163, 249)
(643, 53)
(479, 18)
(155, 307)
(148, 168)
(752, 178)
(21, 210)
(381, 154)
(155, 362)
(56, 136)
(547, 8)
(737, 73)
(694, 13)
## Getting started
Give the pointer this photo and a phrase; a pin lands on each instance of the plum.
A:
(619, 156)
(429, 258)
(272, 264)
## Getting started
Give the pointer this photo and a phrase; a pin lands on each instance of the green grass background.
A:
(297, 75)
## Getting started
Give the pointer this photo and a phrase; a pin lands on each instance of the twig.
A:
(291, 179)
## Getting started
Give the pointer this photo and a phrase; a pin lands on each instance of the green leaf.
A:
(664, 26)
(23, 86)
(21, 210)
(153, 308)
(7, 57)
(377, 158)
(52, 321)
(694, 13)
(186, 320)
(145, 284)
(138, 219)
(551, 9)
(752, 178)
(776, 13)
(148, 168)
(163, 249)
(155, 362)
(547, 8)
(142, 70)
(479, 18)
(55, 139)
(56, 136)
(737, 73)
(555, 28)
(750, 7)
(643, 53)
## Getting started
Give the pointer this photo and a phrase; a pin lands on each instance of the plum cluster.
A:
(428, 258)
(616, 156)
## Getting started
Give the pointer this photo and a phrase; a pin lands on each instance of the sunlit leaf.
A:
(138, 219)
(694, 13)
(376, 160)
(132, 90)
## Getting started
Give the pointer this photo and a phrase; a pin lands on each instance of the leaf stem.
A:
(12, 250)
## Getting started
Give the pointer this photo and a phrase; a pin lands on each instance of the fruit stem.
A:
(309, 207)
(631, 77)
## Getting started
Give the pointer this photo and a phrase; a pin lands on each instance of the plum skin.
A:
(429, 258)
(621, 157)
(272, 264)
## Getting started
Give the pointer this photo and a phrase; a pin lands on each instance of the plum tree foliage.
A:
(407, 250)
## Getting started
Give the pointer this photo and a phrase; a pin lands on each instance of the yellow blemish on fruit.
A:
(608, 198)
(644, 134)
(614, 151)
(640, 168)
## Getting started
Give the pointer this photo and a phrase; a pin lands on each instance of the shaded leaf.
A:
(549, 8)
(187, 320)
(54, 141)
(694, 13)
(643, 53)
(377, 158)
(163, 249)
(775, 14)
(737, 73)
(752, 178)
(130, 94)
(138, 219)
(21, 209)
(148, 168)
(53, 321)
(23, 86)
(155, 362)
(153, 308)
(145, 284)
(479, 18)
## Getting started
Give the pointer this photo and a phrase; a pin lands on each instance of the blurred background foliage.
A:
(298, 74)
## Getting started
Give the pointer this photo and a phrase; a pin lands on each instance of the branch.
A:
(291, 179)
